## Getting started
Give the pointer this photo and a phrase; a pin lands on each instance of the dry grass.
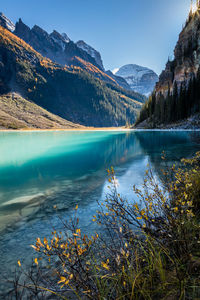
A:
(19, 113)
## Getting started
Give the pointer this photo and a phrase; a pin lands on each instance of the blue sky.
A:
(143, 32)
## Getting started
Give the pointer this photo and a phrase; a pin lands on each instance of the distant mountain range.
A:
(58, 75)
(61, 49)
(140, 79)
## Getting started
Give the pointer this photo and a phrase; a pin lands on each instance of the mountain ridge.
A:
(53, 45)
(60, 48)
(69, 92)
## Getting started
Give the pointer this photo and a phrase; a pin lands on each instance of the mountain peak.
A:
(66, 38)
(141, 79)
(6, 23)
(59, 39)
(92, 52)
(37, 29)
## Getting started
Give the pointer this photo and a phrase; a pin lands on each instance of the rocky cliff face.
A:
(177, 94)
(57, 47)
(186, 57)
(140, 79)
(92, 52)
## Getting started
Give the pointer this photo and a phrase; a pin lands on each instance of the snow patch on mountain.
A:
(6, 23)
(65, 37)
(115, 71)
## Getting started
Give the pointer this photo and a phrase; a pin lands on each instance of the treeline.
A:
(129, 93)
(179, 104)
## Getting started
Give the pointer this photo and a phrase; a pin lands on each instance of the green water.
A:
(41, 169)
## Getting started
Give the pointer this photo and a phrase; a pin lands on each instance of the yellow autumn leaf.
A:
(19, 263)
(136, 206)
(62, 279)
(35, 248)
(104, 265)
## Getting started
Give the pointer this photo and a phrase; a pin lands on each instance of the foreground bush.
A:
(145, 249)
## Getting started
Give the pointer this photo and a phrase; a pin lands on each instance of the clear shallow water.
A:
(41, 169)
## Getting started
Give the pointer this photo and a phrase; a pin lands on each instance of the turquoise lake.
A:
(41, 169)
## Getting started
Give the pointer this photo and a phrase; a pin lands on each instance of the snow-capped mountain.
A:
(140, 79)
(6, 23)
(92, 52)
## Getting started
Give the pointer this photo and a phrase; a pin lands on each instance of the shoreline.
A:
(103, 129)
(191, 123)
(68, 129)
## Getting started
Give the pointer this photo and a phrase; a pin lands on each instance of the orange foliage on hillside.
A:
(90, 68)
(13, 41)
(16, 44)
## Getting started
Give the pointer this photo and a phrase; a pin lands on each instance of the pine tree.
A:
(174, 101)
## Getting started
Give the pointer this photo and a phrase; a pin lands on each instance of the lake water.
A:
(41, 169)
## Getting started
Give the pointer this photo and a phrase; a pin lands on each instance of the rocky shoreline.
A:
(192, 123)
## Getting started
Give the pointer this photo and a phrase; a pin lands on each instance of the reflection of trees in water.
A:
(120, 148)
(176, 145)
(195, 137)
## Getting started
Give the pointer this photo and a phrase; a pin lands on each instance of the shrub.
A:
(145, 249)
